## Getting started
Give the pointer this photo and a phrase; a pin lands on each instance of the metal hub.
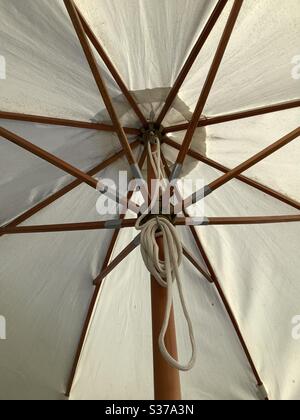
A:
(152, 133)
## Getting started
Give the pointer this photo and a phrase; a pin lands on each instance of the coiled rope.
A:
(165, 271)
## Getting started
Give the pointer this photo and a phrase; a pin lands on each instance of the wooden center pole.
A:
(166, 378)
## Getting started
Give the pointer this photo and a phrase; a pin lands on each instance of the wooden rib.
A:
(199, 246)
(217, 284)
(96, 43)
(245, 166)
(192, 57)
(70, 6)
(230, 314)
(192, 229)
(208, 84)
(269, 191)
(198, 267)
(40, 206)
(89, 316)
(66, 227)
(37, 151)
(126, 251)
(73, 227)
(257, 220)
(64, 122)
(203, 122)
(96, 294)
(59, 163)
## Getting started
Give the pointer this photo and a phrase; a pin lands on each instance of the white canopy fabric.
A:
(46, 280)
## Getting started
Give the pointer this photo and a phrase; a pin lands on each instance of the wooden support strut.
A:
(252, 183)
(66, 189)
(223, 297)
(87, 49)
(38, 119)
(61, 164)
(219, 119)
(94, 299)
(207, 87)
(233, 173)
(109, 64)
(231, 316)
(192, 58)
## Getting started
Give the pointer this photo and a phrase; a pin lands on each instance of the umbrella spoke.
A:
(49, 200)
(192, 58)
(64, 122)
(194, 198)
(222, 295)
(89, 316)
(253, 220)
(61, 164)
(70, 6)
(69, 227)
(269, 191)
(96, 43)
(231, 315)
(126, 251)
(37, 151)
(192, 229)
(204, 122)
(207, 87)
(96, 292)
(195, 263)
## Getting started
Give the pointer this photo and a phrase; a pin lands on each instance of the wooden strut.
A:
(37, 151)
(230, 313)
(61, 164)
(255, 220)
(196, 264)
(126, 251)
(204, 122)
(192, 58)
(52, 198)
(207, 87)
(68, 227)
(71, 8)
(192, 228)
(127, 223)
(221, 293)
(89, 316)
(64, 122)
(96, 43)
(210, 162)
(219, 182)
(94, 298)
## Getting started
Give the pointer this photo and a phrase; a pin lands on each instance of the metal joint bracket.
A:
(197, 221)
(176, 171)
(152, 134)
(113, 224)
(199, 195)
(137, 240)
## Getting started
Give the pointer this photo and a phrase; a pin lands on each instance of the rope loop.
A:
(166, 272)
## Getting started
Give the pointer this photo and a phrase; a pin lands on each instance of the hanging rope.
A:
(155, 159)
(165, 271)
